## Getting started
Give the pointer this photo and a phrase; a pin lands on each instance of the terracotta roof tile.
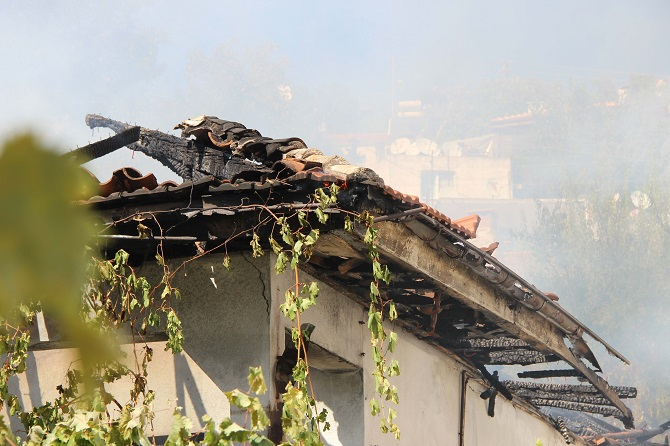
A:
(469, 223)
(128, 183)
(128, 179)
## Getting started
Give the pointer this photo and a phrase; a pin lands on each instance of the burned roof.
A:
(448, 292)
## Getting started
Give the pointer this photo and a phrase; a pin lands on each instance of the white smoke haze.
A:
(313, 69)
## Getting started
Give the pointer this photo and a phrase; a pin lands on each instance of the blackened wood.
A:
(607, 411)
(519, 357)
(564, 373)
(101, 148)
(622, 391)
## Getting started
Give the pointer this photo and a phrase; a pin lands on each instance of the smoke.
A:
(152, 63)
(313, 69)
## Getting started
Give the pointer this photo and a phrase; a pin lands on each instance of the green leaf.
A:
(323, 218)
(375, 323)
(281, 263)
(394, 368)
(235, 432)
(334, 190)
(226, 262)
(370, 236)
(239, 399)
(311, 238)
(289, 307)
(106, 270)
(121, 257)
(382, 426)
(393, 341)
(144, 231)
(259, 440)
(313, 290)
(300, 371)
(392, 395)
(285, 231)
(256, 381)
(381, 272)
(174, 332)
(321, 197)
(348, 224)
(145, 287)
(376, 355)
(297, 248)
(256, 250)
(374, 292)
(393, 312)
(374, 407)
(276, 248)
(259, 419)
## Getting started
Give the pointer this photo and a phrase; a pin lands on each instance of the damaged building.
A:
(463, 316)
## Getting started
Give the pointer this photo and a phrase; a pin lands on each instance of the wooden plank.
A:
(330, 245)
(399, 244)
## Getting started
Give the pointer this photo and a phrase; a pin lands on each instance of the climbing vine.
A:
(382, 342)
(124, 308)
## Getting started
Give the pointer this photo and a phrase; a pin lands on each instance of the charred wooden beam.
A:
(519, 357)
(492, 379)
(348, 265)
(572, 397)
(101, 148)
(188, 158)
(563, 373)
(607, 411)
(502, 343)
(622, 391)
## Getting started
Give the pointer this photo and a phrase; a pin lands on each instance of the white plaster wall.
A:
(340, 394)
(226, 322)
(226, 317)
(176, 379)
(511, 425)
(429, 384)
(228, 328)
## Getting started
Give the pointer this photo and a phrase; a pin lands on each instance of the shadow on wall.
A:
(185, 383)
(33, 390)
(177, 380)
(341, 393)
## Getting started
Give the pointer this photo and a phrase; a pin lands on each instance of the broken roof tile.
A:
(469, 223)
(127, 179)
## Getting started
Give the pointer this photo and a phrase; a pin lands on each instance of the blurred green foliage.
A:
(43, 235)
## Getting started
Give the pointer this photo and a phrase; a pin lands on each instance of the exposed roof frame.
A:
(398, 243)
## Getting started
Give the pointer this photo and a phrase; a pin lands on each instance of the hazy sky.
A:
(158, 62)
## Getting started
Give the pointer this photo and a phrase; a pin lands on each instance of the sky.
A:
(156, 63)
